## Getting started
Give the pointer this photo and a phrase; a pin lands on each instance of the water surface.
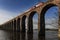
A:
(8, 35)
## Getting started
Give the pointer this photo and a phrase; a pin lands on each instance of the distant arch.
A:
(30, 21)
(18, 24)
(14, 25)
(23, 23)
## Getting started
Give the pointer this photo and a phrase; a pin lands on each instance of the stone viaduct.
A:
(18, 23)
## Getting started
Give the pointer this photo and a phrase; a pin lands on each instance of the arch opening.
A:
(10, 26)
(51, 22)
(14, 25)
(31, 22)
(23, 23)
(42, 18)
(33, 25)
(18, 24)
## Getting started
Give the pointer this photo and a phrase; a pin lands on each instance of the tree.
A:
(53, 21)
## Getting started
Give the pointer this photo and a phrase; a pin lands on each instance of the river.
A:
(8, 35)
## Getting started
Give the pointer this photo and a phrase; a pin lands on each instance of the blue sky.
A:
(11, 8)
(51, 16)
(18, 5)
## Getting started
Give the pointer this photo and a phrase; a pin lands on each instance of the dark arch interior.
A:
(10, 25)
(23, 23)
(18, 24)
(42, 18)
(32, 14)
(30, 21)
(14, 25)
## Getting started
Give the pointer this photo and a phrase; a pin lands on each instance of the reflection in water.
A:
(30, 36)
(51, 35)
(7, 35)
(18, 35)
(41, 37)
(22, 36)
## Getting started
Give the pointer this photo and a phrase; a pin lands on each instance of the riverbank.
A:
(49, 29)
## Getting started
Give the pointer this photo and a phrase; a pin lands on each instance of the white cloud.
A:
(48, 23)
(6, 15)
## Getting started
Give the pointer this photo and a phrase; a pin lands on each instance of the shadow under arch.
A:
(42, 19)
(30, 21)
(18, 24)
(14, 25)
(23, 23)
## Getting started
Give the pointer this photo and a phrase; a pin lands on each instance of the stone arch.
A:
(18, 24)
(14, 25)
(23, 23)
(10, 25)
(30, 21)
(42, 19)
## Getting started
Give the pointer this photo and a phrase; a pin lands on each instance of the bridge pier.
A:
(30, 25)
(8, 25)
(14, 25)
(23, 26)
(11, 26)
(18, 25)
(59, 24)
(42, 27)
